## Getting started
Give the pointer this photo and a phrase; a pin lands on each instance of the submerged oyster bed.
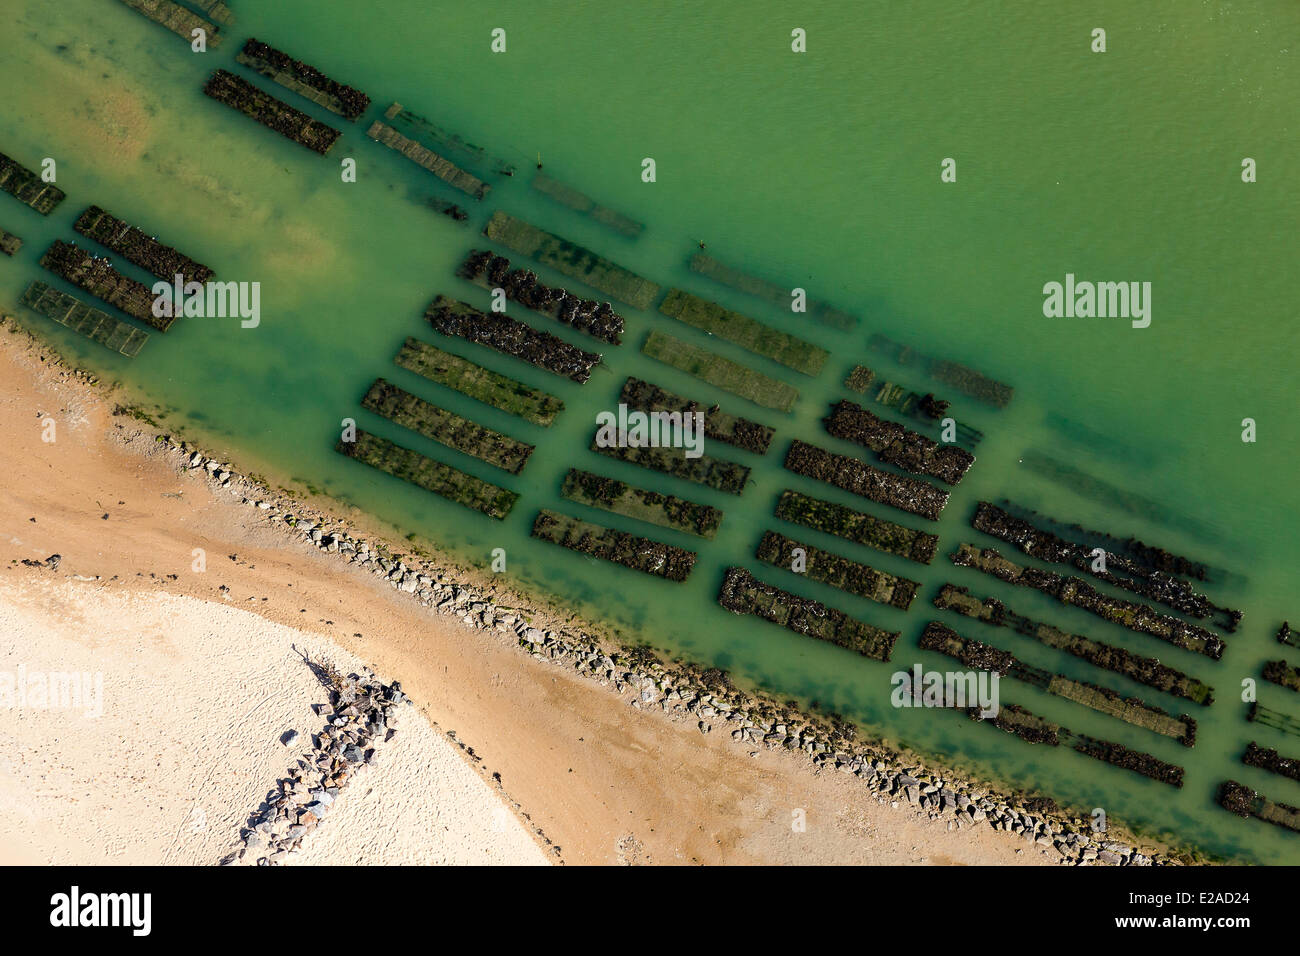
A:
(597, 319)
(176, 18)
(896, 445)
(444, 480)
(1033, 729)
(580, 202)
(479, 383)
(965, 380)
(546, 351)
(1283, 674)
(1154, 585)
(1109, 494)
(667, 511)
(856, 526)
(216, 9)
(95, 324)
(571, 259)
(629, 550)
(139, 248)
(769, 291)
(401, 118)
(1118, 755)
(422, 156)
(9, 243)
(303, 79)
(715, 472)
(1274, 718)
(448, 428)
(907, 494)
(448, 209)
(1144, 670)
(720, 372)
(100, 279)
(718, 425)
(925, 408)
(1287, 636)
(1148, 555)
(1270, 760)
(27, 187)
(1245, 802)
(980, 656)
(749, 334)
(1077, 593)
(742, 593)
(839, 572)
(244, 97)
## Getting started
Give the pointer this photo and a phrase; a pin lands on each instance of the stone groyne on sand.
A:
(357, 721)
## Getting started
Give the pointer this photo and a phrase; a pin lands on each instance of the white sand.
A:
(195, 699)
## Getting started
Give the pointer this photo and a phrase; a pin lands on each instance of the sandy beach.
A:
(178, 741)
(502, 759)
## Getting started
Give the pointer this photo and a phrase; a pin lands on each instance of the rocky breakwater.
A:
(358, 721)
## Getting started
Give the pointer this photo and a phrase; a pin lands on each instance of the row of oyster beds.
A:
(704, 696)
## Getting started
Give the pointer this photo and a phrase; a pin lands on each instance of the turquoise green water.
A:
(821, 169)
